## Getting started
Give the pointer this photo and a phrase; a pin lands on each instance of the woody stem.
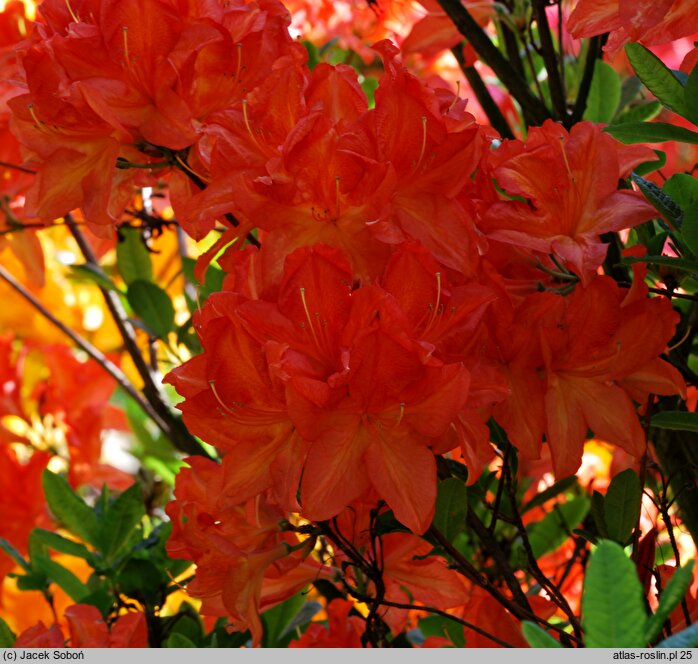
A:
(167, 421)
(84, 345)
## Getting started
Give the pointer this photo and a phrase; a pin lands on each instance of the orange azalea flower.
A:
(342, 630)
(599, 352)
(87, 629)
(569, 183)
(106, 79)
(242, 556)
(629, 20)
(329, 382)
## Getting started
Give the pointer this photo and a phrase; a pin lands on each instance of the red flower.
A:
(562, 192)
(340, 385)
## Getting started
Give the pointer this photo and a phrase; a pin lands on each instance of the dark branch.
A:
(489, 53)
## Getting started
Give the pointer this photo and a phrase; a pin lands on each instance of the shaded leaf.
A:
(537, 637)
(661, 200)
(641, 112)
(676, 420)
(122, 516)
(553, 530)
(598, 513)
(69, 509)
(622, 505)
(691, 96)
(153, 305)
(132, 257)
(451, 508)
(7, 636)
(93, 274)
(689, 228)
(667, 261)
(177, 640)
(561, 486)
(671, 597)
(604, 94)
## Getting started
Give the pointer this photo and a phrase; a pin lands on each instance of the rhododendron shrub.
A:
(305, 348)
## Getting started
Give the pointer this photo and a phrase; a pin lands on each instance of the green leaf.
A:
(7, 636)
(153, 305)
(688, 638)
(63, 578)
(691, 96)
(537, 637)
(676, 420)
(177, 640)
(689, 228)
(671, 597)
(604, 94)
(442, 626)
(132, 257)
(641, 112)
(33, 581)
(11, 551)
(667, 261)
(651, 132)
(302, 618)
(93, 274)
(553, 530)
(277, 619)
(622, 505)
(613, 613)
(62, 544)
(141, 579)
(649, 166)
(69, 509)
(657, 77)
(451, 508)
(598, 513)
(682, 188)
(662, 202)
(561, 486)
(120, 520)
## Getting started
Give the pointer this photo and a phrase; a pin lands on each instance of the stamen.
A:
(239, 67)
(74, 16)
(124, 32)
(188, 168)
(37, 122)
(680, 341)
(218, 398)
(247, 121)
(336, 188)
(564, 156)
(307, 315)
(435, 310)
(424, 141)
(456, 98)
(402, 413)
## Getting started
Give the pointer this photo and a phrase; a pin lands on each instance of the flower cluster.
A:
(418, 278)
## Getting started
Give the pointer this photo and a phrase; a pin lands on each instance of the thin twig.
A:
(595, 45)
(465, 567)
(167, 421)
(17, 167)
(550, 60)
(82, 343)
(490, 54)
(482, 94)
